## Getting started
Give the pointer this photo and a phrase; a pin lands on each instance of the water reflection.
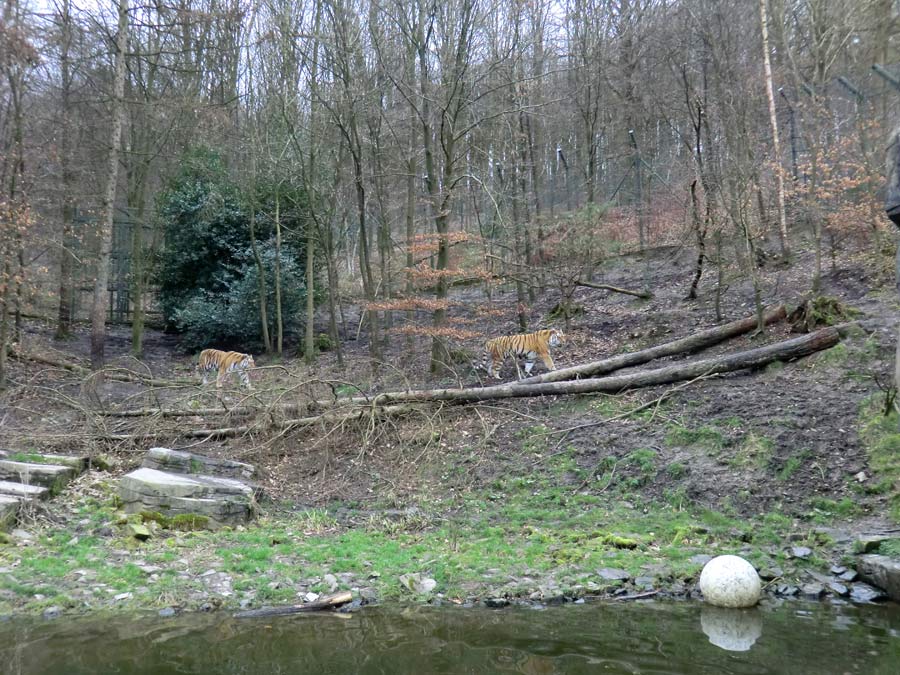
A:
(733, 629)
(610, 638)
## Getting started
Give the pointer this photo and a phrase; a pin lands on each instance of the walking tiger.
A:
(527, 346)
(224, 363)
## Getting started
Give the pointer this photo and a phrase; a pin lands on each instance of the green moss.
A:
(706, 437)
(754, 450)
(189, 522)
(792, 464)
(28, 458)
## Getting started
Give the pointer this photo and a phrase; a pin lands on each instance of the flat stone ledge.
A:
(178, 461)
(52, 476)
(224, 501)
(21, 491)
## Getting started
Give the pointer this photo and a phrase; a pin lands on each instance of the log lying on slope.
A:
(323, 603)
(400, 401)
(691, 343)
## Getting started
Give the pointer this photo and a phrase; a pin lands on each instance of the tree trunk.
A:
(101, 298)
(776, 145)
(690, 343)
(309, 343)
(261, 281)
(66, 259)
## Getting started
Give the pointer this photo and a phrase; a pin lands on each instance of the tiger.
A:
(529, 346)
(224, 363)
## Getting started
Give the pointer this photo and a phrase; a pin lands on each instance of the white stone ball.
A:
(730, 581)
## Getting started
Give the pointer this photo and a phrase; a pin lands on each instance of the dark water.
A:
(595, 638)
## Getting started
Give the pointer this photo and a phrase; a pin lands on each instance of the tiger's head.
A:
(248, 361)
(557, 337)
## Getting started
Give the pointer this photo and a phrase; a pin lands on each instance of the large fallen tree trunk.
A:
(399, 401)
(691, 343)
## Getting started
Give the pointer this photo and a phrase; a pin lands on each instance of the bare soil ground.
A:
(753, 442)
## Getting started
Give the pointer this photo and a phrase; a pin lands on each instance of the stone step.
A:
(21, 491)
(53, 476)
(224, 501)
(80, 464)
(178, 461)
(9, 510)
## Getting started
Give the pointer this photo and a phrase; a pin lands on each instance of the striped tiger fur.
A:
(223, 363)
(528, 346)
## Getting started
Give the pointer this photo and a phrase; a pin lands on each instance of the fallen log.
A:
(753, 358)
(323, 603)
(691, 343)
(118, 374)
(787, 350)
(646, 295)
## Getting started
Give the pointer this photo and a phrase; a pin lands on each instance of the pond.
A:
(644, 637)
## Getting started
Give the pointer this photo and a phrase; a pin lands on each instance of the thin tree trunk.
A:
(309, 346)
(279, 323)
(260, 282)
(776, 145)
(101, 299)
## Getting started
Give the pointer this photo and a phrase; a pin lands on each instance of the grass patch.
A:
(707, 437)
(826, 510)
(792, 464)
(880, 434)
(754, 450)
(28, 458)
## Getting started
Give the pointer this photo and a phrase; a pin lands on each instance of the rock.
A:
(813, 591)
(735, 630)
(496, 603)
(418, 584)
(838, 589)
(331, 581)
(219, 501)
(150, 569)
(769, 573)
(861, 477)
(52, 613)
(837, 570)
(22, 537)
(51, 476)
(869, 543)
(801, 552)
(863, 593)
(22, 491)
(124, 596)
(178, 461)
(310, 597)
(730, 581)
(645, 583)
(613, 574)
(9, 511)
(138, 531)
(881, 571)
(700, 559)
(787, 590)
(166, 612)
(848, 576)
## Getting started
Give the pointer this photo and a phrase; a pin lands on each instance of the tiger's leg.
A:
(245, 378)
(548, 361)
(219, 376)
(529, 364)
(496, 364)
(204, 373)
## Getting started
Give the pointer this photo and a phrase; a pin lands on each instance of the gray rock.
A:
(43, 475)
(331, 581)
(848, 576)
(769, 573)
(418, 584)
(496, 603)
(178, 461)
(9, 511)
(22, 491)
(166, 612)
(863, 593)
(645, 583)
(881, 571)
(22, 536)
(700, 559)
(801, 552)
(813, 591)
(52, 613)
(223, 501)
(869, 543)
(837, 570)
(613, 574)
(838, 589)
